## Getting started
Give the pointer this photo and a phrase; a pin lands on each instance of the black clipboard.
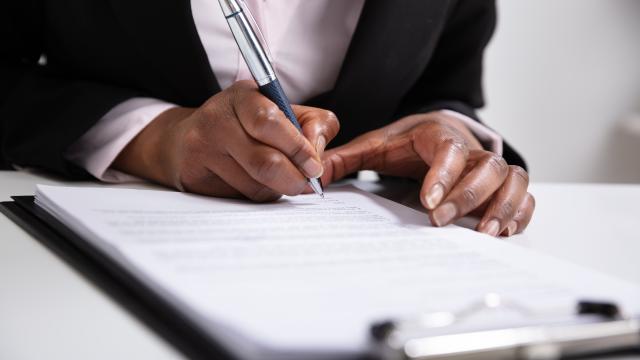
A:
(135, 296)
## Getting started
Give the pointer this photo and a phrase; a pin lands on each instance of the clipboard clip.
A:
(595, 327)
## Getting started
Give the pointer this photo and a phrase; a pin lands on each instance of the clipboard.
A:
(389, 339)
(136, 297)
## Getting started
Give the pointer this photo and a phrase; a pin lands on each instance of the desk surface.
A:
(47, 310)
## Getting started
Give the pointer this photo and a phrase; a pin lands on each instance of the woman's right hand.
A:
(237, 144)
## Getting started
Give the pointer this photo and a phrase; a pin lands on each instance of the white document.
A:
(305, 277)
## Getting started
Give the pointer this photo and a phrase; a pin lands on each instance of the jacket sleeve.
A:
(453, 78)
(42, 110)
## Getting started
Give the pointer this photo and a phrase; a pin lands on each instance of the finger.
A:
(447, 155)
(267, 165)
(264, 164)
(523, 216)
(328, 165)
(504, 205)
(227, 179)
(319, 126)
(266, 123)
(203, 181)
(236, 176)
(358, 154)
(475, 188)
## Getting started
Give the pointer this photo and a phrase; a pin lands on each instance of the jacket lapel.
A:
(166, 32)
(390, 48)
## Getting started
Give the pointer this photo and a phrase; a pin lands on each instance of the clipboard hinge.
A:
(596, 327)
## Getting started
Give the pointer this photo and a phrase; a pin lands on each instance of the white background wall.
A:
(560, 77)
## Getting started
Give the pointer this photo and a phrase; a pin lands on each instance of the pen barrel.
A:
(251, 49)
(274, 92)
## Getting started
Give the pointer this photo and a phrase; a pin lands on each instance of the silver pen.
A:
(258, 63)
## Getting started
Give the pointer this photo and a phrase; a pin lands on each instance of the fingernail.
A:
(434, 196)
(492, 227)
(321, 144)
(512, 227)
(444, 214)
(312, 168)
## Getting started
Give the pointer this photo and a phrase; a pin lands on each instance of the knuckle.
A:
(268, 166)
(267, 111)
(445, 177)
(470, 196)
(497, 163)
(457, 145)
(520, 173)
(506, 209)
(444, 135)
(266, 118)
(431, 134)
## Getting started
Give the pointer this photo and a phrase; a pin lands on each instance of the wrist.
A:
(151, 153)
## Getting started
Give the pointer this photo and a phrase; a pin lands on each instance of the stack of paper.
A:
(306, 277)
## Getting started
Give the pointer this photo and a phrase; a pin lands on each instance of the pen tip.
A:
(316, 185)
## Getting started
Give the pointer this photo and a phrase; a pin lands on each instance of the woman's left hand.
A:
(458, 177)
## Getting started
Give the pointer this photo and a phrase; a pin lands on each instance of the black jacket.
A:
(406, 56)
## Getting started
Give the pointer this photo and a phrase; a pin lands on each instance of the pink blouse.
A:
(308, 41)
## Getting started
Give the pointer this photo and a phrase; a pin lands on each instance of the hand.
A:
(458, 177)
(237, 144)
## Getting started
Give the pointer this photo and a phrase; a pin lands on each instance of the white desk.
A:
(47, 310)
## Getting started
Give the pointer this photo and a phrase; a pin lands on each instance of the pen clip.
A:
(256, 29)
